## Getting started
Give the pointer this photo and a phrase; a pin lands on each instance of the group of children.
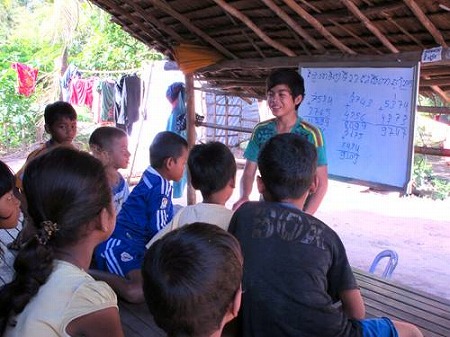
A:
(193, 268)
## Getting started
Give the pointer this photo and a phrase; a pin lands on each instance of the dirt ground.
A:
(418, 229)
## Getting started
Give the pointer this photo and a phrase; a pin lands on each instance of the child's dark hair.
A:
(57, 110)
(103, 137)
(289, 77)
(191, 277)
(165, 145)
(287, 164)
(66, 190)
(211, 166)
(7, 179)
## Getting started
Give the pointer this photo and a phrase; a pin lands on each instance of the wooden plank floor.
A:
(382, 298)
(386, 298)
(137, 321)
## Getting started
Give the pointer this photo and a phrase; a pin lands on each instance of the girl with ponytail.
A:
(69, 203)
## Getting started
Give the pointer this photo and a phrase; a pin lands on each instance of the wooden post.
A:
(190, 128)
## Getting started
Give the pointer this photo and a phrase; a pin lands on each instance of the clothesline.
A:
(109, 71)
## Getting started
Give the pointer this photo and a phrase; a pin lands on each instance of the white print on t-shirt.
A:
(289, 226)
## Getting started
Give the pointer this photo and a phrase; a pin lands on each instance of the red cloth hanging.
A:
(81, 91)
(26, 78)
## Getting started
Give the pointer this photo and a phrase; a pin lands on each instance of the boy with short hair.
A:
(147, 210)
(61, 124)
(192, 280)
(212, 169)
(110, 145)
(285, 92)
(296, 267)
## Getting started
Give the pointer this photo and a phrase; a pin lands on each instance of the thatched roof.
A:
(254, 36)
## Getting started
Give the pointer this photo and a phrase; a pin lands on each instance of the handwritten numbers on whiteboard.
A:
(366, 116)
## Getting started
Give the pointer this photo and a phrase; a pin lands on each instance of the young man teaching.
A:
(285, 92)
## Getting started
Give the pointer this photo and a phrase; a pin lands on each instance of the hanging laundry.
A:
(26, 78)
(70, 73)
(81, 91)
(107, 90)
(128, 98)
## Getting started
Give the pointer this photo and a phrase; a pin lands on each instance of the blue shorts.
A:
(378, 327)
(118, 256)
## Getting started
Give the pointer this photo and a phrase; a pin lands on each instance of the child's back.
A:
(192, 279)
(215, 179)
(70, 204)
(295, 266)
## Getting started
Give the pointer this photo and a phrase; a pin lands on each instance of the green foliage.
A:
(36, 32)
(102, 45)
(425, 181)
(18, 114)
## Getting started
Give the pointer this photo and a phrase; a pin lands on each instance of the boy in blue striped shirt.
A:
(147, 210)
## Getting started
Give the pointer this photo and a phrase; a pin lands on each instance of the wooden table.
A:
(384, 297)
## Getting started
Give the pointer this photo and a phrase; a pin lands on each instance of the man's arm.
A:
(353, 304)
(247, 180)
(314, 200)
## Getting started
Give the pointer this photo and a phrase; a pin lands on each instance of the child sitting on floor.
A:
(110, 146)
(147, 210)
(295, 266)
(69, 202)
(192, 280)
(61, 124)
(212, 169)
(9, 204)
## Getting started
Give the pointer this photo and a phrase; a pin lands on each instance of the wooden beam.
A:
(294, 25)
(403, 30)
(146, 16)
(190, 128)
(437, 110)
(426, 22)
(164, 6)
(250, 40)
(225, 127)
(130, 17)
(274, 44)
(354, 9)
(428, 82)
(344, 15)
(432, 151)
(292, 62)
(434, 71)
(317, 25)
(355, 36)
(442, 94)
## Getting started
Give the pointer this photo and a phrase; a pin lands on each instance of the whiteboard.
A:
(367, 117)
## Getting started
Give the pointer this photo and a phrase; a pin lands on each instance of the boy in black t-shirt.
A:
(295, 266)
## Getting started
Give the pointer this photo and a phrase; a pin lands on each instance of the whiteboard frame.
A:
(407, 188)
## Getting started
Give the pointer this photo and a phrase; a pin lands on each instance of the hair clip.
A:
(48, 228)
